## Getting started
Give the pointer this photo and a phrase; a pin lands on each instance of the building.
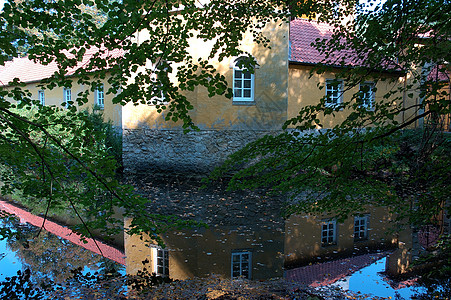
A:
(253, 241)
(262, 101)
(246, 235)
(33, 73)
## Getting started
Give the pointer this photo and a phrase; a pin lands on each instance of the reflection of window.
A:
(241, 264)
(334, 92)
(100, 97)
(366, 96)
(328, 233)
(243, 83)
(41, 97)
(160, 261)
(360, 228)
(67, 96)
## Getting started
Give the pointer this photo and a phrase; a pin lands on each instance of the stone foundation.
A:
(159, 150)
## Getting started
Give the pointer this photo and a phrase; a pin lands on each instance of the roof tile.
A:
(303, 33)
(27, 70)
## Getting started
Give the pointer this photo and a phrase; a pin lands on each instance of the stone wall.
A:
(161, 150)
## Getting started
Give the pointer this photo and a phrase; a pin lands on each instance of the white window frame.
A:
(41, 97)
(361, 228)
(334, 92)
(160, 263)
(67, 96)
(367, 98)
(241, 264)
(242, 77)
(161, 100)
(100, 97)
(328, 233)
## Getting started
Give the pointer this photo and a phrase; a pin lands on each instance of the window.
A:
(360, 228)
(243, 83)
(67, 96)
(160, 261)
(157, 89)
(100, 97)
(41, 97)
(334, 92)
(328, 233)
(366, 97)
(241, 264)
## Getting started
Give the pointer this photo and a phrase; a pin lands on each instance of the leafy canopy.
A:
(370, 157)
(61, 159)
(338, 166)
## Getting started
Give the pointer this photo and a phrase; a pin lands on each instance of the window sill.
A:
(243, 103)
(334, 106)
(329, 245)
(360, 240)
(367, 108)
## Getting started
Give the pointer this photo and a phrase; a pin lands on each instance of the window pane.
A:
(238, 84)
(238, 74)
(245, 273)
(247, 93)
(247, 75)
(237, 93)
(247, 84)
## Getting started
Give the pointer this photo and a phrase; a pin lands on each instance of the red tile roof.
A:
(439, 73)
(304, 33)
(27, 70)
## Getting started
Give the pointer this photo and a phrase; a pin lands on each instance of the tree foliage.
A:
(336, 169)
(371, 157)
(58, 158)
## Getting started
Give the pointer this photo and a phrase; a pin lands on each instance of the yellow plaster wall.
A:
(305, 91)
(303, 235)
(112, 112)
(271, 80)
(201, 252)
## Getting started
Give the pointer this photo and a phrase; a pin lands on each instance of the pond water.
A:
(372, 281)
(50, 259)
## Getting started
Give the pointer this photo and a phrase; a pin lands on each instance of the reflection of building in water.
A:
(247, 235)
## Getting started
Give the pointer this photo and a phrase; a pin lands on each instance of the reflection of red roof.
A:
(439, 74)
(27, 70)
(329, 272)
(397, 285)
(64, 232)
